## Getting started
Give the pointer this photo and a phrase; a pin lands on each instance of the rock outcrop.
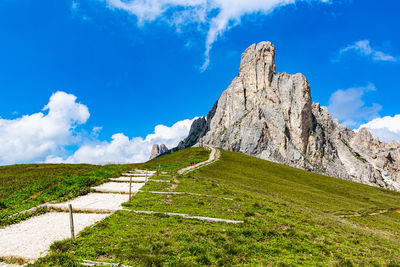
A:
(158, 150)
(271, 115)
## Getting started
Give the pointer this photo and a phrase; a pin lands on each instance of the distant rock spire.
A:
(158, 150)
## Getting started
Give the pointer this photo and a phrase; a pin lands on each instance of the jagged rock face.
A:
(157, 150)
(271, 115)
(197, 130)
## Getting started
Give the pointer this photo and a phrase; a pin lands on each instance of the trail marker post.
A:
(71, 222)
(130, 188)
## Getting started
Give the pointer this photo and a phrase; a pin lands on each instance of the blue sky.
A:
(138, 64)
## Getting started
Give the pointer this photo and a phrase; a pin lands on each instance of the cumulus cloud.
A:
(348, 106)
(364, 48)
(386, 129)
(31, 137)
(121, 149)
(45, 137)
(217, 16)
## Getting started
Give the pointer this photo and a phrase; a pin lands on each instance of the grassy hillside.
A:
(28, 185)
(291, 217)
(176, 160)
(25, 186)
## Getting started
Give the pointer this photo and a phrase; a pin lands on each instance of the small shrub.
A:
(249, 214)
(61, 246)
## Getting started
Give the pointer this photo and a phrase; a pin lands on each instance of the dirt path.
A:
(214, 156)
(30, 239)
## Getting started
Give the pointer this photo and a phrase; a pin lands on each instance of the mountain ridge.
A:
(271, 115)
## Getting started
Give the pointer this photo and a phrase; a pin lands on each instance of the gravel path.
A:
(126, 179)
(31, 238)
(95, 202)
(142, 171)
(2, 264)
(137, 174)
(214, 156)
(114, 187)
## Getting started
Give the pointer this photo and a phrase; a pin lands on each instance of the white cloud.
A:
(32, 137)
(217, 16)
(121, 149)
(386, 129)
(348, 107)
(44, 137)
(364, 48)
(170, 136)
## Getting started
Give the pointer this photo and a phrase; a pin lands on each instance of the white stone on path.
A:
(127, 179)
(138, 174)
(30, 239)
(95, 202)
(115, 187)
(3, 264)
(142, 171)
(186, 216)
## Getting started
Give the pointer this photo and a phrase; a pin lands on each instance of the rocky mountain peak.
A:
(271, 115)
(261, 53)
(157, 150)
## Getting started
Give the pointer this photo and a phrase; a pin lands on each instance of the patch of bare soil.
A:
(174, 185)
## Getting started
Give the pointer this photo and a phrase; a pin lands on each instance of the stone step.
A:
(30, 239)
(142, 171)
(127, 179)
(115, 187)
(94, 202)
(137, 174)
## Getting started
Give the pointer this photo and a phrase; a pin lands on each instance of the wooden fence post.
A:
(130, 188)
(145, 181)
(71, 222)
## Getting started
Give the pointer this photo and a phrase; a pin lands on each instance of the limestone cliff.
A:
(271, 115)
(158, 150)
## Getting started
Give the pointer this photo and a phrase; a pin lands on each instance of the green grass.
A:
(177, 160)
(156, 186)
(29, 185)
(25, 186)
(291, 218)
